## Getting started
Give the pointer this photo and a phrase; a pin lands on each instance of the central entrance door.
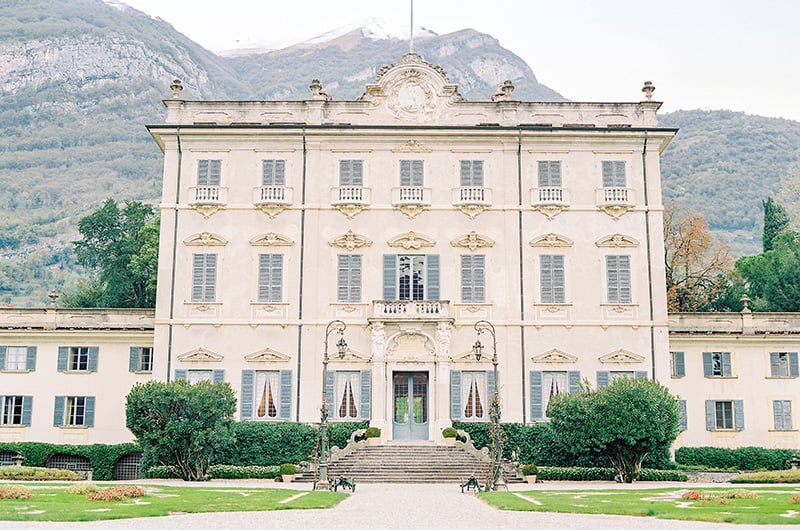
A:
(410, 414)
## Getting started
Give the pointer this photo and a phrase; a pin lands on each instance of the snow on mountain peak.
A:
(372, 28)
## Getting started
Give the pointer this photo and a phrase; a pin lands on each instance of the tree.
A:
(776, 221)
(696, 269)
(624, 421)
(122, 244)
(773, 277)
(182, 425)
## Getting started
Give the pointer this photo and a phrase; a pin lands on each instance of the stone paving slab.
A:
(398, 506)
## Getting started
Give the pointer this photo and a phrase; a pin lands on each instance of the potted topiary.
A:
(449, 434)
(529, 471)
(288, 471)
(373, 435)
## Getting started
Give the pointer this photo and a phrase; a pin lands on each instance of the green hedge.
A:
(101, 457)
(539, 444)
(221, 471)
(36, 473)
(768, 477)
(605, 473)
(742, 458)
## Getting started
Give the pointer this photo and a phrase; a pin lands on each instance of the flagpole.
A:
(411, 32)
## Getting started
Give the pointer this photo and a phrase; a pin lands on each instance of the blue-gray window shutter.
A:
(285, 412)
(348, 275)
(536, 395)
(63, 355)
(351, 173)
(473, 279)
(94, 352)
(248, 376)
(680, 364)
(411, 173)
(707, 364)
(365, 412)
(208, 172)
(204, 277)
(217, 376)
(2, 357)
(390, 276)
(31, 361)
(472, 173)
(640, 374)
(551, 279)
(726, 364)
(433, 276)
(133, 360)
(782, 414)
(330, 396)
(88, 411)
(613, 174)
(549, 174)
(270, 277)
(455, 395)
(794, 369)
(711, 424)
(180, 374)
(682, 414)
(27, 410)
(58, 411)
(491, 385)
(775, 364)
(273, 173)
(574, 381)
(602, 378)
(738, 414)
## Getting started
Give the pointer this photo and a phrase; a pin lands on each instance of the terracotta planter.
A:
(531, 479)
(287, 478)
(373, 441)
(450, 441)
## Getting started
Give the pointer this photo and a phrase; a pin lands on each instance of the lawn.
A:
(771, 506)
(52, 503)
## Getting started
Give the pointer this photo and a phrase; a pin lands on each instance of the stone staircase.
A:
(407, 463)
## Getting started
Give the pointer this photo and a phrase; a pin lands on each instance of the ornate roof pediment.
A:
(267, 355)
(411, 241)
(271, 239)
(472, 241)
(465, 357)
(205, 239)
(352, 356)
(551, 240)
(554, 356)
(622, 357)
(617, 241)
(200, 355)
(350, 241)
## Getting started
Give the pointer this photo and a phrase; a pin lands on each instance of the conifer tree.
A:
(776, 221)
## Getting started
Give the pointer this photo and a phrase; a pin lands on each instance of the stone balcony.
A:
(744, 323)
(52, 318)
(281, 195)
(208, 195)
(472, 195)
(357, 195)
(410, 310)
(549, 197)
(615, 197)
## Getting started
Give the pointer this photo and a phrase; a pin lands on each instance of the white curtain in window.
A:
(348, 395)
(266, 397)
(473, 395)
(553, 383)
(196, 376)
(17, 358)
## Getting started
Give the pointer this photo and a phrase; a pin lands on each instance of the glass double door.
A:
(410, 406)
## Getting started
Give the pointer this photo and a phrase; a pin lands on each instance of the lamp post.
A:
(494, 411)
(337, 326)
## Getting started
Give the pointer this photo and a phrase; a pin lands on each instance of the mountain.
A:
(79, 79)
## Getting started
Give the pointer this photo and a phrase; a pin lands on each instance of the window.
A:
(782, 414)
(613, 174)
(473, 279)
(677, 366)
(196, 376)
(783, 364)
(411, 173)
(208, 172)
(16, 410)
(549, 174)
(682, 415)
(267, 394)
(545, 385)
(618, 276)
(471, 173)
(270, 277)
(717, 364)
(273, 172)
(266, 398)
(347, 397)
(141, 359)
(348, 278)
(74, 411)
(411, 277)
(351, 172)
(551, 279)
(77, 358)
(18, 358)
(474, 396)
(725, 415)
(604, 378)
(204, 277)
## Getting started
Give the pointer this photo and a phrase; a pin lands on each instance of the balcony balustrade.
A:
(549, 196)
(411, 309)
(477, 195)
(351, 195)
(272, 195)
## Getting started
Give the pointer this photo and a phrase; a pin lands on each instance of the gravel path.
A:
(396, 506)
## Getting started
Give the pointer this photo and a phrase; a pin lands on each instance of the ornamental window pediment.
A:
(201, 355)
(411, 241)
(551, 240)
(616, 241)
(621, 356)
(205, 239)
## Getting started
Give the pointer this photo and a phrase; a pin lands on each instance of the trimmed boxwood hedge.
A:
(539, 444)
(101, 457)
(220, 471)
(741, 459)
(36, 473)
(605, 473)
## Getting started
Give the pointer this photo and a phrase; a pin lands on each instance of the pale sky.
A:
(709, 54)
